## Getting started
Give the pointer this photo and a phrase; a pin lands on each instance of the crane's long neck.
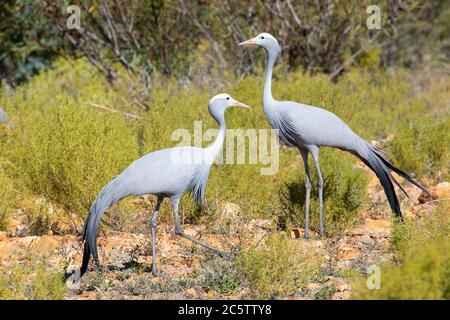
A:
(212, 151)
(267, 94)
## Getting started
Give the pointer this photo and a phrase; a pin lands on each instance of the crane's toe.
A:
(157, 273)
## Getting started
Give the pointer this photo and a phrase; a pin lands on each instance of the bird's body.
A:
(167, 173)
(299, 124)
(308, 128)
(150, 174)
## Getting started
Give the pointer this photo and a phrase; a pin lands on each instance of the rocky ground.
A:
(189, 272)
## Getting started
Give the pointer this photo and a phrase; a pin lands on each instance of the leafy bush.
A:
(220, 275)
(69, 153)
(31, 280)
(423, 252)
(279, 268)
(421, 146)
(63, 149)
(7, 195)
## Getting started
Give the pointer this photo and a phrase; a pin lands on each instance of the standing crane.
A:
(164, 173)
(307, 128)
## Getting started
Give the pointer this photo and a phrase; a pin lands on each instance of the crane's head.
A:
(265, 40)
(222, 101)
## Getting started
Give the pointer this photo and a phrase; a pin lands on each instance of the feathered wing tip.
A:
(375, 160)
(380, 153)
(106, 198)
(86, 258)
(197, 185)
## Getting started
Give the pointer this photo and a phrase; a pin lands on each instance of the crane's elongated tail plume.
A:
(374, 158)
(109, 195)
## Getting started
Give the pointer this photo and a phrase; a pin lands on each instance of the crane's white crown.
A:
(266, 35)
(220, 96)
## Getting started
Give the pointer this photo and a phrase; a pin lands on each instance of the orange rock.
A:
(442, 189)
(47, 244)
(228, 211)
(377, 226)
(313, 286)
(349, 255)
(191, 292)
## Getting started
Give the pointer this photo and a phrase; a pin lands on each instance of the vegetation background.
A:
(85, 103)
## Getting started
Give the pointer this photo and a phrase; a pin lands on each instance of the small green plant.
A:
(32, 280)
(222, 276)
(279, 268)
(421, 146)
(7, 198)
(325, 292)
(67, 154)
(422, 251)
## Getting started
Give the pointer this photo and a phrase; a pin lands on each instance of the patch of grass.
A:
(5, 204)
(142, 286)
(325, 292)
(221, 275)
(279, 268)
(32, 280)
(422, 270)
(71, 152)
(421, 146)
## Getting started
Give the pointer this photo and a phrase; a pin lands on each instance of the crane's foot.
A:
(225, 255)
(306, 238)
(157, 273)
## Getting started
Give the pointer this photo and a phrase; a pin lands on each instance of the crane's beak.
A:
(248, 42)
(240, 104)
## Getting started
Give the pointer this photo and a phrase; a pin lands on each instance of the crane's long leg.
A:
(304, 154)
(154, 224)
(315, 155)
(179, 232)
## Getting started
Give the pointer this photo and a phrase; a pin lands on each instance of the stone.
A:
(442, 189)
(61, 228)
(46, 244)
(378, 225)
(313, 286)
(349, 254)
(191, 292)
(228, 211)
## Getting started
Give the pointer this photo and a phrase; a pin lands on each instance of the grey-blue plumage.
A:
(307, 128)
(5, 119)
(165, 173)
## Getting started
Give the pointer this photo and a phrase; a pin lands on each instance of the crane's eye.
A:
(262, 38)
(228, 98)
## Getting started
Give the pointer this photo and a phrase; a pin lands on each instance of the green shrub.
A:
(279, 268)
(423, 269)
(4, 204)
(7, 197)
(31, 280)
(344, 194)
(220, 275)
(421, 146)
(68, 153)
(325, 292)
